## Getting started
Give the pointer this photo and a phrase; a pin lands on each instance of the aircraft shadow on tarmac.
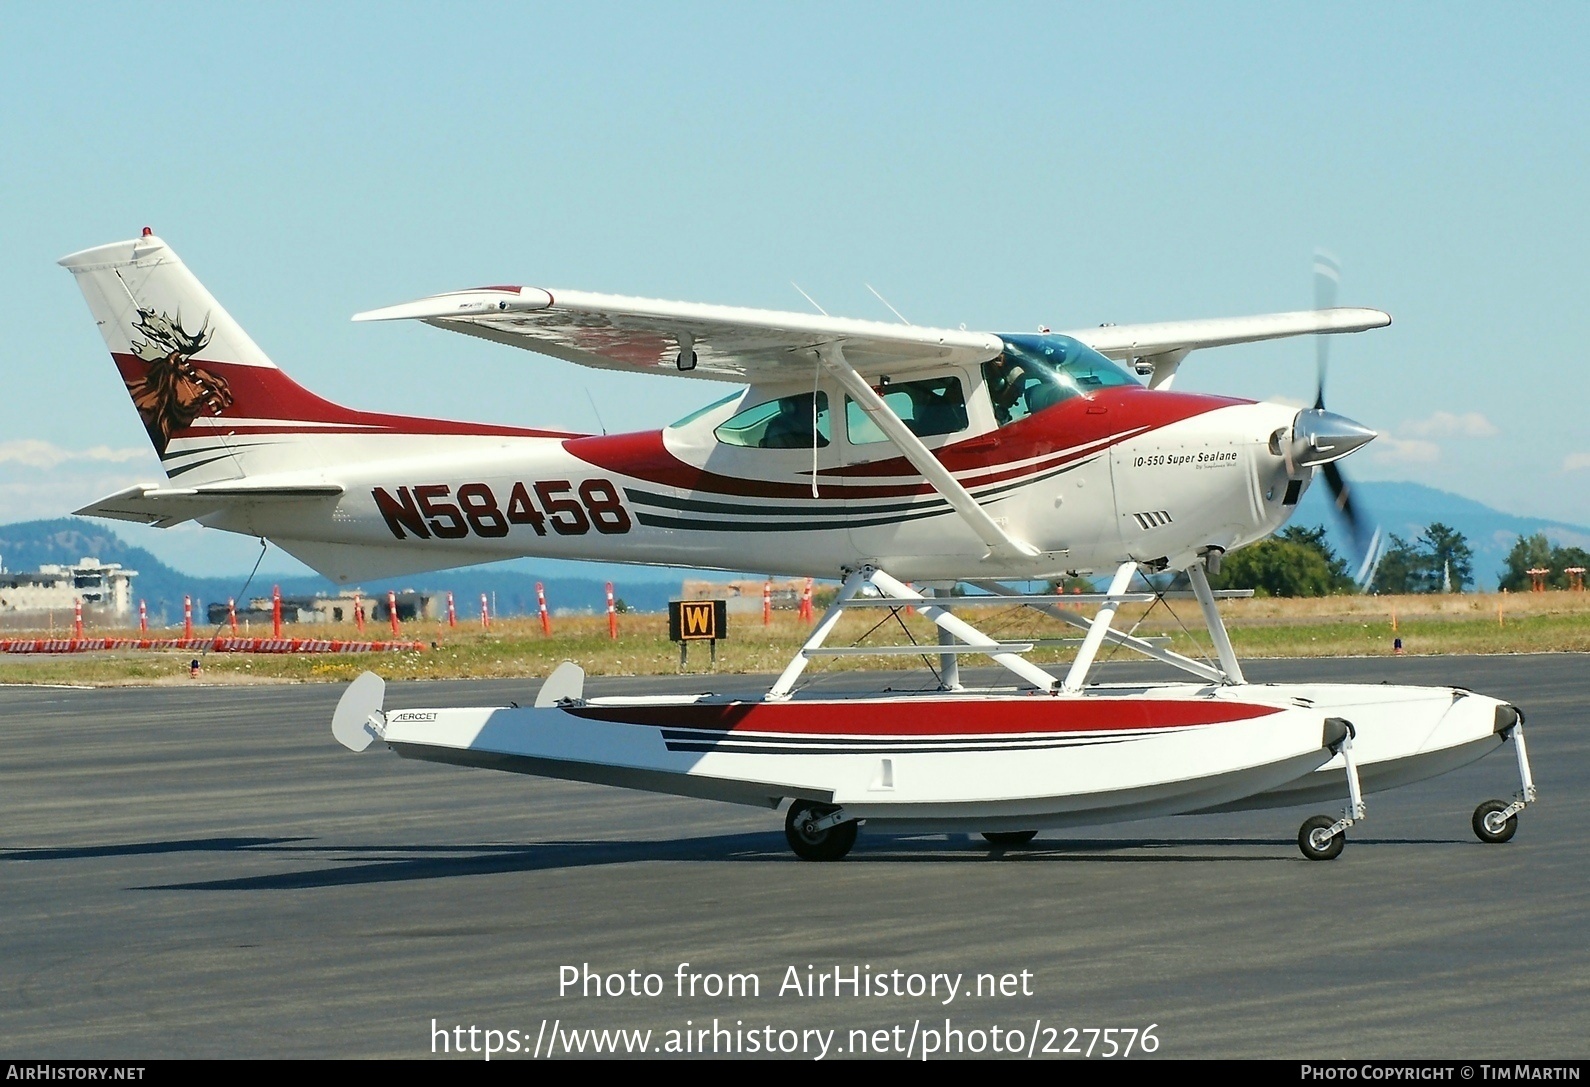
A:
(133, 849)
(355, 865)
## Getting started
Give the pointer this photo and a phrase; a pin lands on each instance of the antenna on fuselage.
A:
(885, 301)
(809, 298)
(601, 425)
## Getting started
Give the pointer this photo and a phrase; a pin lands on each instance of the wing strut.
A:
(1000, 542)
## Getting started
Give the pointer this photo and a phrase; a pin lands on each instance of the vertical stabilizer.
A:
(214, 405)
(163, 328)
(195, 376)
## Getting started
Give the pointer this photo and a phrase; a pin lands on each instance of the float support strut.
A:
(786, 682)
(1216, 625)
(949, 663)
(1077, 677)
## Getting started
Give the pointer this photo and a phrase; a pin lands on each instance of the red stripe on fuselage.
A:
(1024, 716)
(1078, 421)
(1003, 454)
(264, 392)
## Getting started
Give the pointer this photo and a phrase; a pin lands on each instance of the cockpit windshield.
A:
(1037, 372)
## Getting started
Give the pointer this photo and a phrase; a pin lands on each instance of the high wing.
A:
(1164, 345)
(719, 343)
(731, 343)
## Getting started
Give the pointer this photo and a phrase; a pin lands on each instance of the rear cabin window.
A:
(786, 423)
(927, 408)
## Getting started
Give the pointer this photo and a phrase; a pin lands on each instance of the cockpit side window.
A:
(785, 423)
(927, 408)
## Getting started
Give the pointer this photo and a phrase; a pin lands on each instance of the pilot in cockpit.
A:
(791, 428)
(1005, 386)
(1019, 389)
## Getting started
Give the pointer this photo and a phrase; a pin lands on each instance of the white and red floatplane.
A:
(879, 453)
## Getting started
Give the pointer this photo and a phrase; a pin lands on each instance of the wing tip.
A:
(475, 302)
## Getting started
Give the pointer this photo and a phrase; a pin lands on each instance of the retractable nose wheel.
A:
(1319, 840)
(1495, 821)
(810, 840)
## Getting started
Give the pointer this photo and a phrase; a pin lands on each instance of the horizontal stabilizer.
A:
(153, 504)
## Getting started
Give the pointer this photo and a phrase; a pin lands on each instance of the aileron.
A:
(1147, 340)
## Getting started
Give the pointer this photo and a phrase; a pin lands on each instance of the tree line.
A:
(1537, 553)
(1299, 562)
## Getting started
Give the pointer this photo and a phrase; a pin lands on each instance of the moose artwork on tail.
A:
(173, 392)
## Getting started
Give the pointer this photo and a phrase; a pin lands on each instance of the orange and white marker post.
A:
(485, 613)
(767, 602)
(452, 616)
(391, 610)
(541, 606)
(187, 618)
(276, 611)
(806, 602)
(231, 614)
(77, 619)
(143, 618)
(612, 614)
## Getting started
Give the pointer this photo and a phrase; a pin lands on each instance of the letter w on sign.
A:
(697, 620)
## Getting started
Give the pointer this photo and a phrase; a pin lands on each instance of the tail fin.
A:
(166, 333)
(193, 374)
(214, 404)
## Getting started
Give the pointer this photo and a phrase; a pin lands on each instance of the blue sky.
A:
(1002, 166)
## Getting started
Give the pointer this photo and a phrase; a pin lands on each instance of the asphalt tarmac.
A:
(202, 872)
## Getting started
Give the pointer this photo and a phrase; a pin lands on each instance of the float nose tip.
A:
(1320, 436)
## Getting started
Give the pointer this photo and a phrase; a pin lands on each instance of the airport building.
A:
(335, 609)
(104, 587)
(745, 596)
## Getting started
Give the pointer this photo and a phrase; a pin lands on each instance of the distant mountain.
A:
(1406, 508)
(29, 544)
